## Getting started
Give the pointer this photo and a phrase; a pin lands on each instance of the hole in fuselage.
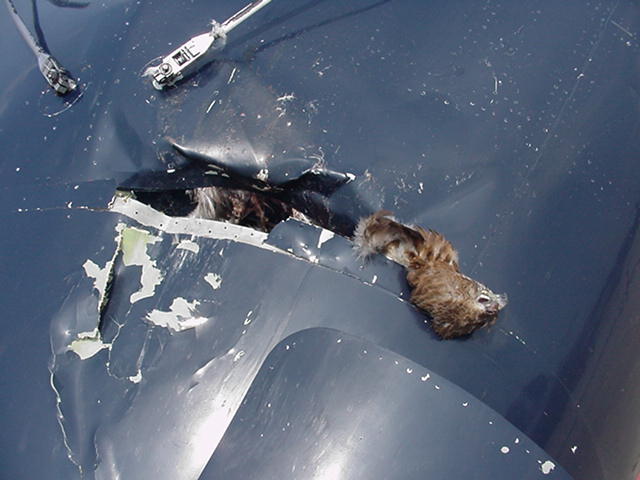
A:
(248, 208)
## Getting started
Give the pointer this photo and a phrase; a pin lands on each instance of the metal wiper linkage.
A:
(198, 50)
(56, 76)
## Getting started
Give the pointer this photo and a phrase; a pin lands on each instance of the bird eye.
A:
(483, 299)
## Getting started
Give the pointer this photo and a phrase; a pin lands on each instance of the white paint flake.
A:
(87, 344)
(214, 280)
(248, 318)
(325, 236)
(189, 245)
(374, 279)
(287, 97)
(574, 449)
(179, 317)
(238, 356)
(547, 467)
(425, 378)
(136, 378)
(504, 449)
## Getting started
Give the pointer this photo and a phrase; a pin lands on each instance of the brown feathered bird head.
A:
(457, 304)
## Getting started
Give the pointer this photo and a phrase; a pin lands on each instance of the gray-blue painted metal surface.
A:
(512, 127)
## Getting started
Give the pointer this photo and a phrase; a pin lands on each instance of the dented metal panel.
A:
(139, 344)
(385, 404)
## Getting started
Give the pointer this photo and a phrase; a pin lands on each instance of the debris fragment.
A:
(214, 280)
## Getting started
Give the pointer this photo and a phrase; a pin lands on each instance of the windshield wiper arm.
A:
(56, 76)
(198, 50)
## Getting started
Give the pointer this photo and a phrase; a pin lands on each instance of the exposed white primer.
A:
(425, 378)
(147, 216)
(505, 449)
(87, 344)
(179, 317)
(100, 276)
(189, 245)
(547, 467)
(134, 250)
(325, 236)
(136, 378)
(574, 449)
(214, 280)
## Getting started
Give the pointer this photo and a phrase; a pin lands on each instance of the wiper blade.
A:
(198, 50)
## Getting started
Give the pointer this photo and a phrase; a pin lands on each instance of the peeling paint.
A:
(134, 250)
(504, 450)
(103, 276)
(547, 467)
(325, 236)
(147, 216)
(87, 344)
(574, 449)
(189, 245)
(179, 317)
(214, 280)
(100, 276)
(136, 378)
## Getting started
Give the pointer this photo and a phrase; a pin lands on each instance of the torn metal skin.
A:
(176, 328)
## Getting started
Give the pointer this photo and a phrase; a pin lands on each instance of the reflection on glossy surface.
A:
(511, 128)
